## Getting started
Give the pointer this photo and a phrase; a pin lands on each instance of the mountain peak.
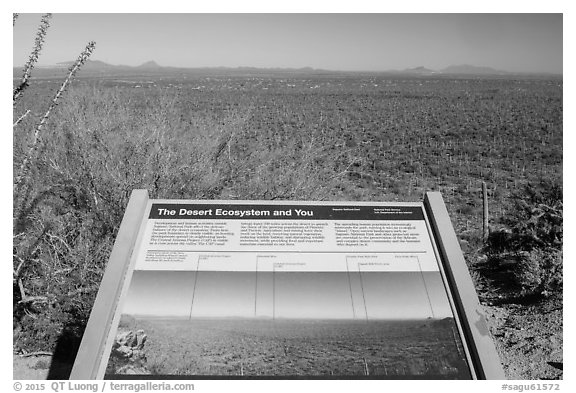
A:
(88, 64)
(149, 64)
(420, 70)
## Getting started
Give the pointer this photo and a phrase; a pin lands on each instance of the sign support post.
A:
(90, 352)
(474, 321)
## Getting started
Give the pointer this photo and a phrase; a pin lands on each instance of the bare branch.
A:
(71, 72)
(34, 299)
(18, 270)
(38, 353)
(38, 43)
(21, 289)
(52, 236)
(21, 118)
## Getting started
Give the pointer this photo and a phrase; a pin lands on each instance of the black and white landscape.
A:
(295, 324)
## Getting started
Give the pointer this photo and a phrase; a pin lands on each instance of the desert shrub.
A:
(532, 239)
(41, 364)
(540, 271)
(535, 222)
(53, 238)
(57, 328)
(98, 147)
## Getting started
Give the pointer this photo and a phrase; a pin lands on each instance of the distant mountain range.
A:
(100, 67)
(463, 69)
(470, 69)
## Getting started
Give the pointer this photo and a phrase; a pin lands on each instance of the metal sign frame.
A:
(485, 362)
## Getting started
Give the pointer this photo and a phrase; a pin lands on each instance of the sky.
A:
(344, 41)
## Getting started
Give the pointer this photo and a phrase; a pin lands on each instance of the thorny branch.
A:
(72, 71)
(33, 58)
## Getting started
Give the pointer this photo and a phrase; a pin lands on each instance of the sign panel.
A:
(261, 289)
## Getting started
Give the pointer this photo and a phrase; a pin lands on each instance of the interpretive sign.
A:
(277, 289)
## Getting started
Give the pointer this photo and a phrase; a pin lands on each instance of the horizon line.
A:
(414, 70)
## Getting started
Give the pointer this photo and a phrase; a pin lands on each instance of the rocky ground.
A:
(527, 328)
(39, 367)
(528, 339)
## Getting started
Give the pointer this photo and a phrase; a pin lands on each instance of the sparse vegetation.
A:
(45, 312)
(530, 246)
